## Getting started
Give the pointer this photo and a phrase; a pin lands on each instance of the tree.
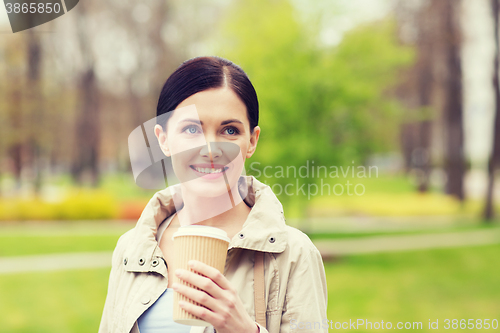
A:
(14, 129)
(327, 105)
(417, 91)
(452, 108)
(36, 105)
(435, 85)
(87, 131)
(494, 160)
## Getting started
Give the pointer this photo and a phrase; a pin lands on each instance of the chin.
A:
(202, 188)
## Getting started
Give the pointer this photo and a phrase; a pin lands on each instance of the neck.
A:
(227, 211)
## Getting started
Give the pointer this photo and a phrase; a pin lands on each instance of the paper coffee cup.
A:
(197, 242)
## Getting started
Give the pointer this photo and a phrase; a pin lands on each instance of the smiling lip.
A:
(206, 171)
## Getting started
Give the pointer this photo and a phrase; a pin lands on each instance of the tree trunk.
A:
(15, 148)
(35, 109)
(85, 166)
(424, 95)
(453, 113)
(86, 154)
(418, 92)
(489, 213)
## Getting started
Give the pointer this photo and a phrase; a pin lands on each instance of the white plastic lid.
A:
(201, 230)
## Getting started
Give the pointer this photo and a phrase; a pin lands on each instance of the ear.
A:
(161, 135)
(254, 138)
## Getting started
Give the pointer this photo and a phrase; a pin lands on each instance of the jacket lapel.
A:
(264, 229)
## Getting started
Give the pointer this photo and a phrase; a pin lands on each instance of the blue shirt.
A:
(158, 318)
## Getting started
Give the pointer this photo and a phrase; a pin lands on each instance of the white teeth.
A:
(208, 170)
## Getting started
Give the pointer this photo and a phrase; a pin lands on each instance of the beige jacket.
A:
(295, 283)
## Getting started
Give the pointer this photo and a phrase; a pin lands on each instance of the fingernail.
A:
(175, 286)
(178, 272)
(181, 303)
(191, 263)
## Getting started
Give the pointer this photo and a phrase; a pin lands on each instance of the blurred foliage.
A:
(389, 196)
(408, 204)
(120, 198)
(329, 105)
(78, 204)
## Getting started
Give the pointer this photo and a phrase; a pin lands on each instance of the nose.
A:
(211, 148)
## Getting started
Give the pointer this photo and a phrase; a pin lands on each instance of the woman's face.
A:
(208, 137)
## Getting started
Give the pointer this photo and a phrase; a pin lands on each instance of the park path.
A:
(397, 243)
(330, 248)
(54, 262)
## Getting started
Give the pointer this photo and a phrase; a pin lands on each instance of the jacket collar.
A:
(264, 229)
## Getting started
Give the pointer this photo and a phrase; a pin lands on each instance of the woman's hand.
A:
(224, 310)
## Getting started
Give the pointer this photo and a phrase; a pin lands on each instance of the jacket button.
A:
(125, 261)
(155, 262)
(145, 300)
(241, 236)
(141, 261)
(272, 240)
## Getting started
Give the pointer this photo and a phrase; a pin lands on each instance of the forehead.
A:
(211, 105)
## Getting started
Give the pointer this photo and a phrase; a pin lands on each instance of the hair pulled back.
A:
(203, 73)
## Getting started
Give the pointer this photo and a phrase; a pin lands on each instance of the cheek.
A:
(244, 147)
(179, 144)
(239, 161)
(181, 159)
(178, 165)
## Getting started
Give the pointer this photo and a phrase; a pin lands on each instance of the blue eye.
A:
(231, 131)
(190, 129)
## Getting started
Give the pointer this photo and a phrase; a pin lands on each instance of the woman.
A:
(210, 133)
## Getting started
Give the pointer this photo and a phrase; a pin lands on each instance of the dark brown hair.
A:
(202, 73)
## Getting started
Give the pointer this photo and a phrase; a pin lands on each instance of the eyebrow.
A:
(225, 122)
(196, 121)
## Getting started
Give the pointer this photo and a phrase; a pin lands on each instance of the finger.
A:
(199, 281)
(198, 296)
(211, 273)
(200, 312)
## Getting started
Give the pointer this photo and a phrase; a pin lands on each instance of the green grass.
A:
(89, 237)
(409, 286)
(70, 301)
(26, 245)
(413, 286)
(341, 235)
